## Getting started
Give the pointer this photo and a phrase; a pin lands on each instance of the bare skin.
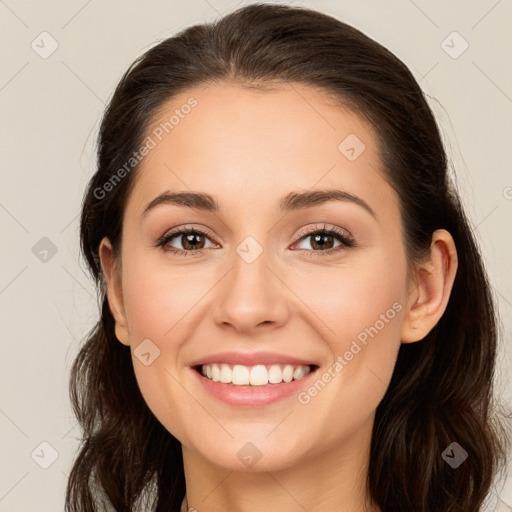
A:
(249, 149)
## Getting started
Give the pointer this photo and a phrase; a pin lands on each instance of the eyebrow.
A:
(291, 202)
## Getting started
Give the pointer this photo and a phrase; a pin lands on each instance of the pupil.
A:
(317, 239)
(190, 240)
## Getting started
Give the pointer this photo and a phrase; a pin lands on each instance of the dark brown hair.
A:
(442, 387)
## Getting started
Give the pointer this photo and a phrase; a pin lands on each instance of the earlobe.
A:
(432, 288)
(114, 289)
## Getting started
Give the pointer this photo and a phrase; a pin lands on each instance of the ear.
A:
(112, 274)
(433, 282)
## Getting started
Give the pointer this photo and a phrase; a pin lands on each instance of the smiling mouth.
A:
(256, 375)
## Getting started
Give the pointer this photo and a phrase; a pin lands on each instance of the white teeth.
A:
(275, 375)
(258, 375)
(239, 375)
(288, 373)
(225, 374)
(299, 372)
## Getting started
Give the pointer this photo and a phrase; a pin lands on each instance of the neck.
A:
(334, 480)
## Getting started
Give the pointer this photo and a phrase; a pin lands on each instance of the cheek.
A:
(359, 311)
(157, 299)
(348, 300)
(361, 318)
(157, 295)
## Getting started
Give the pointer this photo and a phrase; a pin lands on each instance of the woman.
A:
(295, 315)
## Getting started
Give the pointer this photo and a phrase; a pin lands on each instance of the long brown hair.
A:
(442, 387)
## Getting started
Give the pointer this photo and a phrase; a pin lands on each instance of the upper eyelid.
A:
(302, 231)
(324, 227)
(185, 229)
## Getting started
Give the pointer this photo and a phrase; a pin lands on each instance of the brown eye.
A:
(192, 241)
(323, 240)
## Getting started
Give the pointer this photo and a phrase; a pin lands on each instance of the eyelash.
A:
(346, 241)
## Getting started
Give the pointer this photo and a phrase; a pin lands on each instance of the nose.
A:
(252, 297)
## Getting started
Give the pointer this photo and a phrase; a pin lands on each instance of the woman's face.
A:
(257, 277)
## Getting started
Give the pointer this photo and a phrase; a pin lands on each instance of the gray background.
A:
(51, 105)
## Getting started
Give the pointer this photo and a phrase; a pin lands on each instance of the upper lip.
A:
(251, 359)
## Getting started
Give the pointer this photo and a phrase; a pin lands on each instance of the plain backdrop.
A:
(60, 64)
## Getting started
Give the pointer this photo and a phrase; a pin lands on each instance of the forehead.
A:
(250, 146)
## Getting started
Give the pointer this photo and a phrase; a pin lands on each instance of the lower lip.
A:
(253, 396)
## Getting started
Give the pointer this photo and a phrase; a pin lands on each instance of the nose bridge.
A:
(251, 277)
(251, 264)
(252, 293)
